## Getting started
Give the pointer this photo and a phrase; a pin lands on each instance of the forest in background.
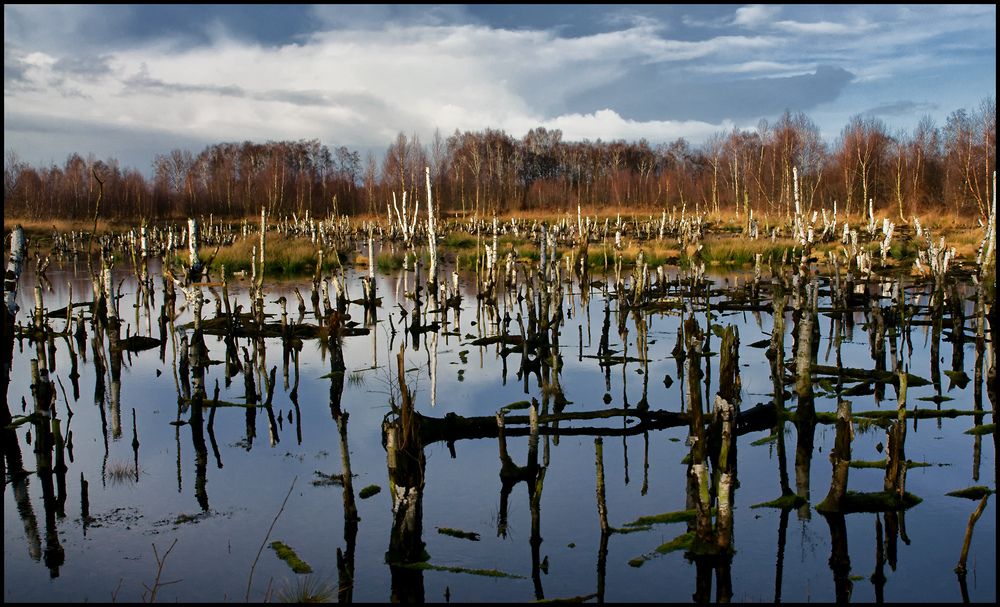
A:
(944, 170)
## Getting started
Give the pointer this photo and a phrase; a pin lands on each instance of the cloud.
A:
(825, 28)
(756, 16)
(597, 125)
(86, 67)
(902, 108)
(15, 69)
(358, 75)
(713, 101)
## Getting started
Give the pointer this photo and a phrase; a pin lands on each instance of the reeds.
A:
(308, 588)
(122, 473)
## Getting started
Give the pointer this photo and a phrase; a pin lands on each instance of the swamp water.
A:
(128, 488)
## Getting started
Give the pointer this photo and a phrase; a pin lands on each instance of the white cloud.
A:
(825, 28)
(598, 125)
(756, 15)
(371, 72)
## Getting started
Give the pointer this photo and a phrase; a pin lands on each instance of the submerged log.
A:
(878, 501)
(139, 343)
(453, 427)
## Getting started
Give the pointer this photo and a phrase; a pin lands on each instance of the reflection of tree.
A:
(46, 437)
(804, 318)
(713, 440)
(345, 558)
(406, 481)
(533, 475)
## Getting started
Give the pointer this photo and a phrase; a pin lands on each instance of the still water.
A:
(142, 472)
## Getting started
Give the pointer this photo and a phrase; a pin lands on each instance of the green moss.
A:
(937, 399)
(425, 566)
(785, 502)
(878, 501)
(980, 430)
(681, 542)
(765, 440)
(973, 493)
(680, 516)
(521, 404)
(369, 491)
(288, 555)
(880, 464)
(859, 463)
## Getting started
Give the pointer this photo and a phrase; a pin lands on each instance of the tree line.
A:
(946, 169)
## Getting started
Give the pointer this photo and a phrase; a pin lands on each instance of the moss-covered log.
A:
(878, 501)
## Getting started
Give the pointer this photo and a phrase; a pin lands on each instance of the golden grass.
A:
(291, 256)
(42, 230)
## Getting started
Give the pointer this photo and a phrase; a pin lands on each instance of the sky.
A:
(131, 82)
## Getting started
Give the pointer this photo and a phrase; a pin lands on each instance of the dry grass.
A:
(41, 231)
(298, 256)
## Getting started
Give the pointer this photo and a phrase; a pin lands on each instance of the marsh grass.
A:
(357, 379)
(459, 240)
(122, 473)
(309, 588)
(742, 252)
(282, 256)
(393, 261)
(528, 252)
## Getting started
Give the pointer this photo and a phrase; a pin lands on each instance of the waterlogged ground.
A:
(148, 495)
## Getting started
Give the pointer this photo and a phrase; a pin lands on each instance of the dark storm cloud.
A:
(647, 95)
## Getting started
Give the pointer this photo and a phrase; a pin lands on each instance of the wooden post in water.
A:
(698, 473)
(840, 458)
(895, 456)
(805, 411)
(726, 402)
(406, 476)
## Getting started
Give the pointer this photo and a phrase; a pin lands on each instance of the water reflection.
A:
(437, 411)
